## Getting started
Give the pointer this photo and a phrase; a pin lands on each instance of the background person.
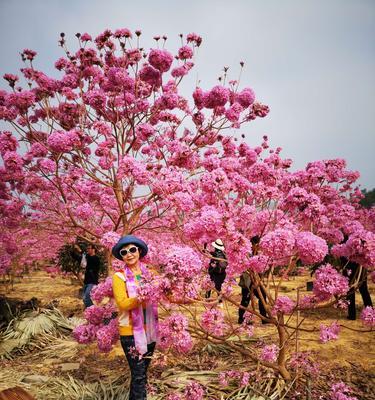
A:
(217, 266)
(137, 321)
(355, 272)
(90, 262)
(248, 289)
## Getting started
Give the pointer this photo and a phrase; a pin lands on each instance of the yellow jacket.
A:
(124, 303)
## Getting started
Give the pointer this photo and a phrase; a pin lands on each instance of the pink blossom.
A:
(246, 97)
(85, 37)
(304, 361)
(94, 314)
(107, 336)
(102, 290)
(109, 239)
(38, 150)
(328, 333)
(7, 142)
(144, 131)
(199, 97)
(260, 110)
(340, 391)
(84, 211)
(124, 32)
(185, 52)
(60, 142)
(85, 334)
(311, 248)
(259, 263)
(329, 283)
(173, 334)
(47, 165)
(269, 353)
(96, 99)
(194, 38)
(182, 70)
(174, 396)
(29, 54)
(233, 112)
(284, 304)
(216, 97)
(212, 321)
(12, 161)
(278, 244)
(11, 78)
(242, 378)
(194, 391)
(368, 316)
(160, 59)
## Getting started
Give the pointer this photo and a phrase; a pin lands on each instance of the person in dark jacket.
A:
(91, 263)
(217, 267)
(355, 272)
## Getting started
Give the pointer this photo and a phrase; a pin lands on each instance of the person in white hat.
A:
(217, 266)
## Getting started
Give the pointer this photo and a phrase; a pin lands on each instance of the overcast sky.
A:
(311, 61)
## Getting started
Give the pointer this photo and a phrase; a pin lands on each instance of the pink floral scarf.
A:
(142, 337)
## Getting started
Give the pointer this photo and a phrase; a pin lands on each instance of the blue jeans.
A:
(138, 368)
(86, 294)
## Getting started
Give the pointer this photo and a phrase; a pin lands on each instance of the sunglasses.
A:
(124, 252)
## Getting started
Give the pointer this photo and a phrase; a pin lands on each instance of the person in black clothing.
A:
(248, 290)
(217, 267)
(91, 263)
(355, 272)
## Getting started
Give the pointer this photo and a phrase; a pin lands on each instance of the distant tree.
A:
(369, 200)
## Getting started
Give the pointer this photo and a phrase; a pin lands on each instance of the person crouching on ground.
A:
(137, 321)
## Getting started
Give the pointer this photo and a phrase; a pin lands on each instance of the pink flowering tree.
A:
(110, 147)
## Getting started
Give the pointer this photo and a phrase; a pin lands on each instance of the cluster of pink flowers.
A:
(368, 316)
(328, 333)
(173, 334)
(269, 353)
(102, 290)
(7, 142)
(154, 288)
(194, 391)
(311, 248)
(360, 247)
(341, 391)
(107, 335)
(174, 396)
(284, 304)
(259, 263)
(212, 321)
(84, 211)
(109, 239)
(85, 334)
(329, 283)
(160, 59)
(241, 377)
(305, 362)
(95, 314)
(63, 142)
(278, 244)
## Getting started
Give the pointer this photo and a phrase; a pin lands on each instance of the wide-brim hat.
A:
(129, 239)
(218, 244)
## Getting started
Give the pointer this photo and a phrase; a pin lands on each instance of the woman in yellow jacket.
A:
(137, 321)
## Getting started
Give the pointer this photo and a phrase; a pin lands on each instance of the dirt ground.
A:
(351, 358)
